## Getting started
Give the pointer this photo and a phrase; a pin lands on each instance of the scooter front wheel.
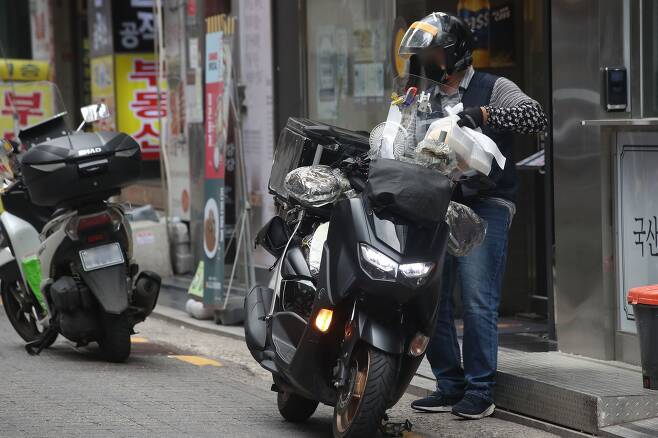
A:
(362, 401)
(295, 408)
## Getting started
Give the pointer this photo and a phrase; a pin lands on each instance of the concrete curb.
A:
(180, 317)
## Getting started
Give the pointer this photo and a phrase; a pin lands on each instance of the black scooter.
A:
(353, 334)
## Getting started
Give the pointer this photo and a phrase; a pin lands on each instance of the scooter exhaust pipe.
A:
(147, 290)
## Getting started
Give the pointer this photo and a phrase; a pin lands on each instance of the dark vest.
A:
(478, 94)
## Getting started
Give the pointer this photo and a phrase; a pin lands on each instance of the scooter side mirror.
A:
(95, 112)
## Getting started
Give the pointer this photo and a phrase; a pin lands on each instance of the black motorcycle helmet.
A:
(440, 30)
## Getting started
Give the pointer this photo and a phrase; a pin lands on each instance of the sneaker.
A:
(435, 402)
(473, 407)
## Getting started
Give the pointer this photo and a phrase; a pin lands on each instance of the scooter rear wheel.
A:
(295, 408)
(21, 311)
(362, 401)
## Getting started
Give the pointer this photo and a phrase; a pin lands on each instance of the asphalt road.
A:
(178, 382)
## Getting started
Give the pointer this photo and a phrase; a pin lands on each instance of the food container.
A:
(645, 308)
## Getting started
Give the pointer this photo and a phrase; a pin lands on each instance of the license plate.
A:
(101, 257)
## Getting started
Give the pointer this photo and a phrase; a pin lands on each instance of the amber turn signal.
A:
(323, 320)
(418, 345)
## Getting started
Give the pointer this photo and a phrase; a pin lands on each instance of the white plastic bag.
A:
(316, 247)
(473, 149)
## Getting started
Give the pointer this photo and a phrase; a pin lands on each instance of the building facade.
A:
(585, 228)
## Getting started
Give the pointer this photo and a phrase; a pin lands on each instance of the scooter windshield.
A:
(415, 104)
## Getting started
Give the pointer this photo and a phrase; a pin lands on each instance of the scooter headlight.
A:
(416, 270)
(416, 273)
(377, 265)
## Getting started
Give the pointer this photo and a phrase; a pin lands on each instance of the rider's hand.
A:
(471, 118)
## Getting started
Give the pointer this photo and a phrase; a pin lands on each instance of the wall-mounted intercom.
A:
(616, 89)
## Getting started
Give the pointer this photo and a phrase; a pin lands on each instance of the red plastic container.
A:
(645, 305)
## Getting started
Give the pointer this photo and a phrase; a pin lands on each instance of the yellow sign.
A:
(24, 70)
(24, 104)
(102, 90)
(399, 62)
(138, 108)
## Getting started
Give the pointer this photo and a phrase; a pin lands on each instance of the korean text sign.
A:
(637, 210)
(134, 26)
(139, 111)
(30, 102)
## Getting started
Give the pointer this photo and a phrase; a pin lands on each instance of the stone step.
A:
(579, 393)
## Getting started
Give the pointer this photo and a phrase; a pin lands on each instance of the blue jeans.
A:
(480, 274)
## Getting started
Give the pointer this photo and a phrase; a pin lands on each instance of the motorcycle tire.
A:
(295, 408)
(115, 342)
(363, 400)
(20, 310)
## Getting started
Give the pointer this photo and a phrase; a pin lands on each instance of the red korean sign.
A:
(139, 111)
(23, 105)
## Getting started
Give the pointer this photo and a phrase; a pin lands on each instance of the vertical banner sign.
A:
(178, 153)
(102, 90)
(139, 110)
(230, 198)
(257, 124)
(41, 31)
(99, 19)
(218, 90)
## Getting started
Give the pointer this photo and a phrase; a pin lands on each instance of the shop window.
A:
(350, 61)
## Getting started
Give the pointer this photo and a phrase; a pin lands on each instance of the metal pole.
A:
(244, 236)
(250, 271)
(164, 162)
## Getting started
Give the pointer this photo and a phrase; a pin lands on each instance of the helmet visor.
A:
(422, 35)
(419, 36)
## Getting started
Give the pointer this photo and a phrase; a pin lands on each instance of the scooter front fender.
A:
(109, 286)
(389, 339)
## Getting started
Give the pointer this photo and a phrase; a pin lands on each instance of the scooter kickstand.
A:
(35, 347)
(392, 429)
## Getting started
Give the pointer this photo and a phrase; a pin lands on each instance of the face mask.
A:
(433, 71)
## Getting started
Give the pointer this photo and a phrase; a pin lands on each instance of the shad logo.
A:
(85, 152)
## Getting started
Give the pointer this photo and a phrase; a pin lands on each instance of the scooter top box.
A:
(298, 144)
(80, 167)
